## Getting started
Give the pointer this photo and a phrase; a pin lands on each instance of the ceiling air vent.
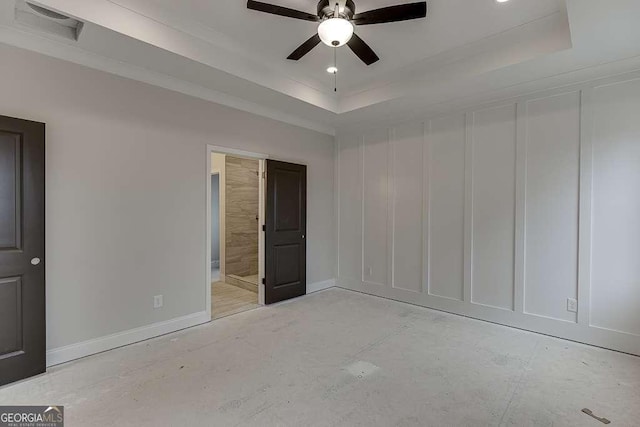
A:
(46, 12)
(48, 21)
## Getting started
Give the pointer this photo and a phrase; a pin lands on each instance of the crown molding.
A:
(198, 48)
(44, 45)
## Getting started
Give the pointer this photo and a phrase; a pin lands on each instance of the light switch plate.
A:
(572, 305)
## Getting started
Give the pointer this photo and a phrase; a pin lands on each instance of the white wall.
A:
(502, 212)
(126, 199)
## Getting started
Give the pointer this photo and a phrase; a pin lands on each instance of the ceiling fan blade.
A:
(403, 12)
(281, 11)
(305, 48)
(362, 50)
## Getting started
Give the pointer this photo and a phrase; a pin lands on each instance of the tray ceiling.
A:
(450, 24)
(456, 53)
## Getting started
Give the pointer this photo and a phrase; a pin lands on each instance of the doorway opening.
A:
(235, 220)
(256, 231)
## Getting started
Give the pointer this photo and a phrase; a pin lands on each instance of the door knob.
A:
(35, 261)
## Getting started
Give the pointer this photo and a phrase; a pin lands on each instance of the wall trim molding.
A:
(71, 53)
(584, 334)
(579, 101)
(82, 349)
(320, 286)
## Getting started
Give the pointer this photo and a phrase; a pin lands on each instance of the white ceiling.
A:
(465, 49)
(450, 24)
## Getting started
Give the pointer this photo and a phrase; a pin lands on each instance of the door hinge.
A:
(264, 227)
(264, 281)
(264, 174)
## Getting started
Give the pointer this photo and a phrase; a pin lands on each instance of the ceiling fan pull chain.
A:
(335, 68)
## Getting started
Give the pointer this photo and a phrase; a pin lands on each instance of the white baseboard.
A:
(109, 342)
(319, 286)
(71, 352)
(582, 333)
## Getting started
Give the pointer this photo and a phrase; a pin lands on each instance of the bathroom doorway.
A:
(235, 220)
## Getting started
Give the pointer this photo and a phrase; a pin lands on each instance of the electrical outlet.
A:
(157, 301)
(572, 305)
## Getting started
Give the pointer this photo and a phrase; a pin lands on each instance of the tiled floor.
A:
(339, 358)
(228, 299)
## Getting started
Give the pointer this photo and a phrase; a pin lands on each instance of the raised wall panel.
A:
(494, 177)
(375, 214)
(552, 205)
(350, 208)
(9, 196)
(446, 142)
(408, 181)
(615, 281)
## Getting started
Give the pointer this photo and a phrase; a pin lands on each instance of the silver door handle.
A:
(35, 261)
(303, 236)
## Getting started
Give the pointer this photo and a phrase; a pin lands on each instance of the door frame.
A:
(261, 157)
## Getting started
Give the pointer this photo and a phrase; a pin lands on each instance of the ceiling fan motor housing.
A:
(326, 9)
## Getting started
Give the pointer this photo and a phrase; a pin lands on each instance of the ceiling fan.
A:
(337, 24)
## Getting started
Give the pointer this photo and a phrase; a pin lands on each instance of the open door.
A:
(285, 231)
(22, 293)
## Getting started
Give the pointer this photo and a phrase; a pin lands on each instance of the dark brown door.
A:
(286, 229)
(22, 294)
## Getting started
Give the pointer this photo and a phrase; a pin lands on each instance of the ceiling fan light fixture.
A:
(337, 23)
(335, 32)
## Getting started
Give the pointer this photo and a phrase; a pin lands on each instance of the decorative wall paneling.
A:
(504, 212)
